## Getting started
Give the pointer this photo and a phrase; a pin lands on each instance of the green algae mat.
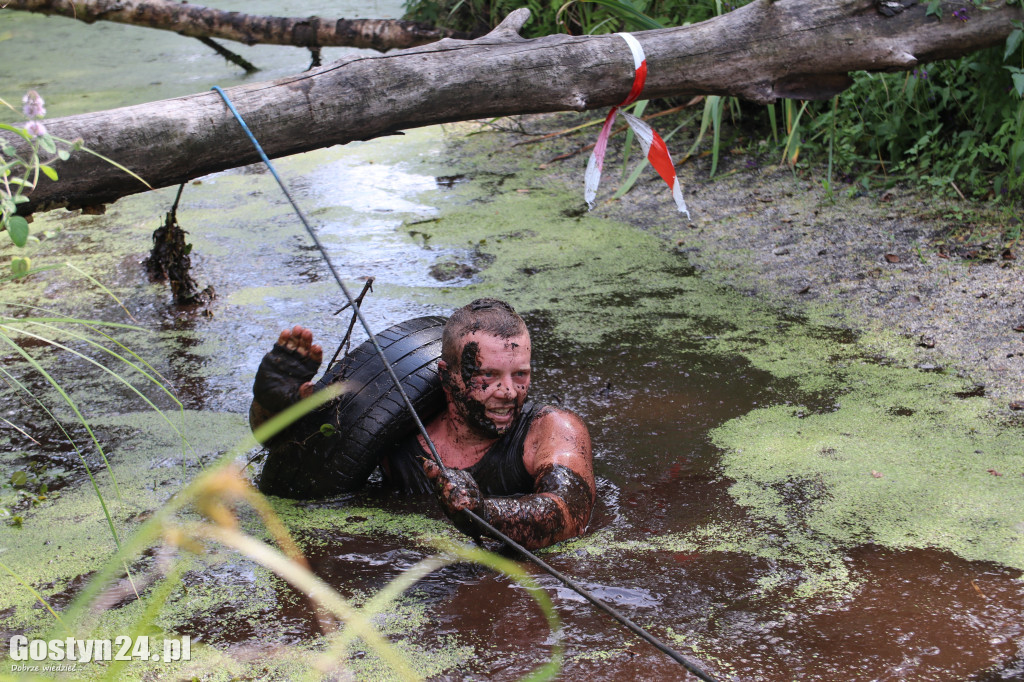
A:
(758, 470)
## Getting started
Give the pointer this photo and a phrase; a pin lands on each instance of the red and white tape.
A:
(652, 144)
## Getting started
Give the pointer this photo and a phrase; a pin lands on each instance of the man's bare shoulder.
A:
(555, 420)
(558, 437)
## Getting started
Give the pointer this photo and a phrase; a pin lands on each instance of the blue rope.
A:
(337, 278)
(658, 644)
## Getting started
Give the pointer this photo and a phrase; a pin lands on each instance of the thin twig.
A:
(595, 122)
(587, 148)
(21, 430)
(348, 334)
(228, 54)
(961, 194)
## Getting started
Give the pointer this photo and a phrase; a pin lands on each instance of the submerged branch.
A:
(205, 22)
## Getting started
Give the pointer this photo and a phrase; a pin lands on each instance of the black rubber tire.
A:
(369, 419)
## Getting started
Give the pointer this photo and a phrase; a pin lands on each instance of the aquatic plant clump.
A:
(878, 468)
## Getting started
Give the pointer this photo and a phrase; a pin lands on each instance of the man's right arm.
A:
(558, 456)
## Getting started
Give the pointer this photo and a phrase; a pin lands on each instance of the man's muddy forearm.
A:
(559, 509)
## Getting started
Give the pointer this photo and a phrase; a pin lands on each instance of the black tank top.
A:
(499, 472)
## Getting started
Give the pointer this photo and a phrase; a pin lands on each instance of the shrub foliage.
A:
(955, 125)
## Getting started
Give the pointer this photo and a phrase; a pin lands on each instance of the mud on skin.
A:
(469, 363)
(457, 492)
(280, 374)
(536, 520)
(474, 410)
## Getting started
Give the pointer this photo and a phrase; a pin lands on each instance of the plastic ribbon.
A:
(652, 144)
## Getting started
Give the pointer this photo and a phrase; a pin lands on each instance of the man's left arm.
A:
(557, 454)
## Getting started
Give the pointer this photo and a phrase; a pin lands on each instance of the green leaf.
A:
(43, 489)
(46, 142)
(18, 131)
(327, 430)
(48, 172)
(1016, 152)
(19, 478)
(17, 228)
(20, 265)
(63, 154)
(1013, 42)
(630, 13)
(1018, 84)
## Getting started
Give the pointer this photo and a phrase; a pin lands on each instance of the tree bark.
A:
(764, 51)
(204, 22)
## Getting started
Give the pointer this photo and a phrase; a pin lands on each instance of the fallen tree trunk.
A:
(764, 51)
(205, 22)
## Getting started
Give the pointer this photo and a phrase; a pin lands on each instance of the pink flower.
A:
(35, 128)
(33, 105)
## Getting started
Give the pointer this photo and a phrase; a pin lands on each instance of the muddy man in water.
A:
(524, 468)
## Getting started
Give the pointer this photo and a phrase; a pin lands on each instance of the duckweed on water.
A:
(902, 463)
(302, 518)
(232, 595)
(886, 454)
(805, 473)
(71, 534)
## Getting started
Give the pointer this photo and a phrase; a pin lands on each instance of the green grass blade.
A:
(100, 365)
(311, 585)
(113, 163)
(716, 123)
(154, 602)
(105, 290)
(831, 144)
(515, 571)
(153, 528)
(627, 145)
(32, 590)
(635, 175)
(74, 407)
(379, 601)
(792, 150)
(158, 382)
(81, 455)
(65, 318)
(455, 553)
(710, 102)
(630, 14)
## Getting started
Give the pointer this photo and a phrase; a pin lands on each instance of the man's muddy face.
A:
(489, 387)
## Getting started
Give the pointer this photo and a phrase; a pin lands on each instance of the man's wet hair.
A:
(487, 315)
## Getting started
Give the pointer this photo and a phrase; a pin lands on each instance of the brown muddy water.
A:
(917, 615)
(747, 595)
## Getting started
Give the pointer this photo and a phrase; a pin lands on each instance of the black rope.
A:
(494, 532)
(337, 277)
(583, 592)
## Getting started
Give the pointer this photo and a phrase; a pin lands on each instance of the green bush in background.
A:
(956, 126)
